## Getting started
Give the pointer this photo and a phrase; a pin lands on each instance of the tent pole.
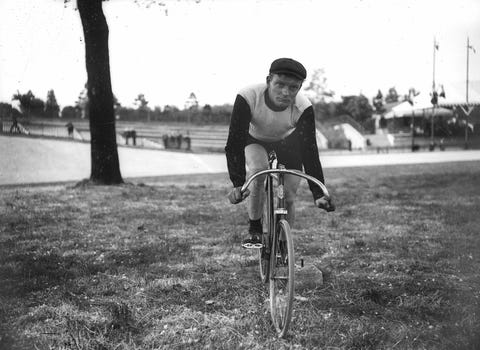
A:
(413, 130)
(466, 95)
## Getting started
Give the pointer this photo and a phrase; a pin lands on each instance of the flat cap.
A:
(288, 66)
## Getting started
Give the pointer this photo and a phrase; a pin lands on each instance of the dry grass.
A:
(157, 265)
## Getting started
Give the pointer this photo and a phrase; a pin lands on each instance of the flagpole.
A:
(466, 96)
(433, 92)
(434, 49)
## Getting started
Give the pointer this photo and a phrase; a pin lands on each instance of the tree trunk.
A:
(103, 145)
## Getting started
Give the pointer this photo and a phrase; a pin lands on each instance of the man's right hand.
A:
(236, 196)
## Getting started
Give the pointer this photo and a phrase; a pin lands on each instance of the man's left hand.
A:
(325, 203)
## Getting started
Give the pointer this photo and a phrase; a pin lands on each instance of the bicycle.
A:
(276, 255)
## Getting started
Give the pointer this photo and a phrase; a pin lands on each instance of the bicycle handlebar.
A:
(286, 171)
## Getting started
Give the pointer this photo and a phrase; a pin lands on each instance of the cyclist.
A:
(273, 116)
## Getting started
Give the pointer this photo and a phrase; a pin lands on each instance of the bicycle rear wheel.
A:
(282, 278)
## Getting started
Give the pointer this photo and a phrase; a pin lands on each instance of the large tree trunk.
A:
(103, 144)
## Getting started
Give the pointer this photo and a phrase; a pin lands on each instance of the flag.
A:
(473, 49)
(442, 93)
(436, 45)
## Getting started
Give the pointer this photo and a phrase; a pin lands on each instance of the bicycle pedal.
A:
(252, 245)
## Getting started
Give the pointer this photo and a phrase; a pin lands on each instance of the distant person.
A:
(130, 134)
(273, 116)
(383, 125)
(179, 141)
(188, 141)
(69, 126)
(15, 129)
(16, 107)
(172, 141)
(134, 137)
(165, 140)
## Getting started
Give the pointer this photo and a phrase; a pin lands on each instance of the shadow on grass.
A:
(24, 273)
(29, 272)
(171, 250)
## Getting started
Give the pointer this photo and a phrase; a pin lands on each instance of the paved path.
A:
(32, 160)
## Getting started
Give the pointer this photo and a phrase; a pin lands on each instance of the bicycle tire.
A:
(282, 278)
(263, 262)
(267, 221)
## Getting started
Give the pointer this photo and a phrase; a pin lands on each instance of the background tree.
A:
(69, 112)
(191, 102)
(412, 93)
(378, 103)
(116, 105)
(82, 102)
(142, 106)
(317, 89)
(140, 101)
(392, 95)
(29, 104)
(357, 107)
(5, 110)
(52, 108)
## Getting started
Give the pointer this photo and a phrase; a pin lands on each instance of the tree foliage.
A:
(378, 102)
(392, 95)
(52, 108)
(29, 104)
(357, 107)
(70, 112)
(82, 102)
(141, 102)
(317, 89)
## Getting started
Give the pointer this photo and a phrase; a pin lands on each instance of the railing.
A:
(41, 130)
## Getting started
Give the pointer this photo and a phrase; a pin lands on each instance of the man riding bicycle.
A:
(273, 116)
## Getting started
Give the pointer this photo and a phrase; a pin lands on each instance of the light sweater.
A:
(268, 125)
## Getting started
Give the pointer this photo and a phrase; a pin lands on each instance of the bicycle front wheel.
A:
(267, 222)
(263, 259)
(282, 278)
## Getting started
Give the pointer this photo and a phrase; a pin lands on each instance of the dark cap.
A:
(288, 66)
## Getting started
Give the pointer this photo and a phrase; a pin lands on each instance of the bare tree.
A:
(317, 89)
(105, 165)
(142, 105)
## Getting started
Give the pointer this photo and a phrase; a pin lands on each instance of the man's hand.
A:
(236, 196)
(325, 203)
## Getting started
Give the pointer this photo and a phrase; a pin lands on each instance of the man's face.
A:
(282, 89)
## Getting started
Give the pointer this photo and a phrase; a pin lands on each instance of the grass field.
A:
(156, 264)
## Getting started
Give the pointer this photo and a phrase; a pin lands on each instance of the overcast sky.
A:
(215, 47)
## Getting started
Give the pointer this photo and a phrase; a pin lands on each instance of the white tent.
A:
(322, 142)
(456, 94)
(352, 134)
(422, 107)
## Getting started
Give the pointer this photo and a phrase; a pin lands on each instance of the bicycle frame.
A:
(278, 213)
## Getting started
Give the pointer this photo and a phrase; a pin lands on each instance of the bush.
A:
(70, 112)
